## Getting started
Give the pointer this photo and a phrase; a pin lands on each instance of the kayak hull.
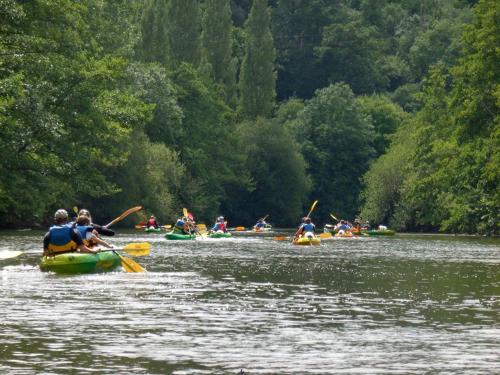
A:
(304, 241)
(385, 232)
(77, 263)
(152, 230)
(219, 235)
(179, 236)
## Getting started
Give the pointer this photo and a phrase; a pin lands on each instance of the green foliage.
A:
(277, 169)
(217, 46)
(152, 46)
(258, 77)
(386, 117)
(336, 137)
(183, 32)
(451, 177)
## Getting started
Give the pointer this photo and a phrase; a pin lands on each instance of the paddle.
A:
(129, 265)
(135, 249)
(281, 238)
(325, 235)
(334, 218)
(124, 215)
(7, 254)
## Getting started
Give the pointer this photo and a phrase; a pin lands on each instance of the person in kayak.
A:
(306, 229)
(88, 233)
(105, 231)
(219, 226)
(152, 222)
(260, 225)
(182, 226)
(63, 237)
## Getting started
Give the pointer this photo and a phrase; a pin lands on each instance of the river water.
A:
(408, 304)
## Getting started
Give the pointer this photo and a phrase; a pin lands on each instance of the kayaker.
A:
(88, 233)
(182, 226)
(260, 225)
(63, 237)
(152, 222)
(99, 228)
(219, 226)
(306, 229)
(342, 226)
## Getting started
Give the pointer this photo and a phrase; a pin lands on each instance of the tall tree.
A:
(153, 43)
(217, 45)
(258, 76)
(182, 24)
(336, 138)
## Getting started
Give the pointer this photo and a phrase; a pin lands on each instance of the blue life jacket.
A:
(60, 239)
(180, 224)
(84, 229)
(308, 227)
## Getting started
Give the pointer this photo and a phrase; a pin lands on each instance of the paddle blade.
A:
(281, 238)
(185, 212)
(124, 215)
(138, 249)
(7, 254)
(334, 218)
(312, 208)
(130, 266)
(325, 235)
(167, 226)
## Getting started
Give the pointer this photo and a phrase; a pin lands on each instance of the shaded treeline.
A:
(247, 108)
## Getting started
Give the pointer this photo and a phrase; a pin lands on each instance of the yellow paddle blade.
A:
(312, 208)
(138, 249)
(7, 254)
(75, 210)
(139, 226)
(325, 235)
(185, 212)
(201, 226)
(130, 266)
(166, 226)
(124, 215)
(334, 218)
(239, 228)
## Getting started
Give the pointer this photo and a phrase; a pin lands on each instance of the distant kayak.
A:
(379, 232)
(219, 235)
(306, 241)
(152, 230)
(179, 236)
(75, 263)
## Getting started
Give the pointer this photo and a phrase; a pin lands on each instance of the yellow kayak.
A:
(305, 241)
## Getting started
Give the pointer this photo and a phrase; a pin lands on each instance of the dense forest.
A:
(380, 109)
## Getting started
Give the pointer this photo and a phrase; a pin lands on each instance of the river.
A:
(408, 304)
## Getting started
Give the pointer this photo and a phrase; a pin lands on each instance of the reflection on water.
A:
(402, 305)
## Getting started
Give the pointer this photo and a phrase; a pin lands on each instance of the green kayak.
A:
(383, 232)
(179, 236)
(152, 230)
(219, 235)
(73, 263)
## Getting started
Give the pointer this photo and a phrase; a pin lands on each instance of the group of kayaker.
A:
(80, 235)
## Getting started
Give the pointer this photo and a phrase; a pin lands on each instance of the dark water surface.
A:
(410, 304)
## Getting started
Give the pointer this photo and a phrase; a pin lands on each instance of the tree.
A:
(153, 43)
(336, 138)
(183, 29)
(217, 46)
(258, 77)
(277, 169)
(386, 117)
